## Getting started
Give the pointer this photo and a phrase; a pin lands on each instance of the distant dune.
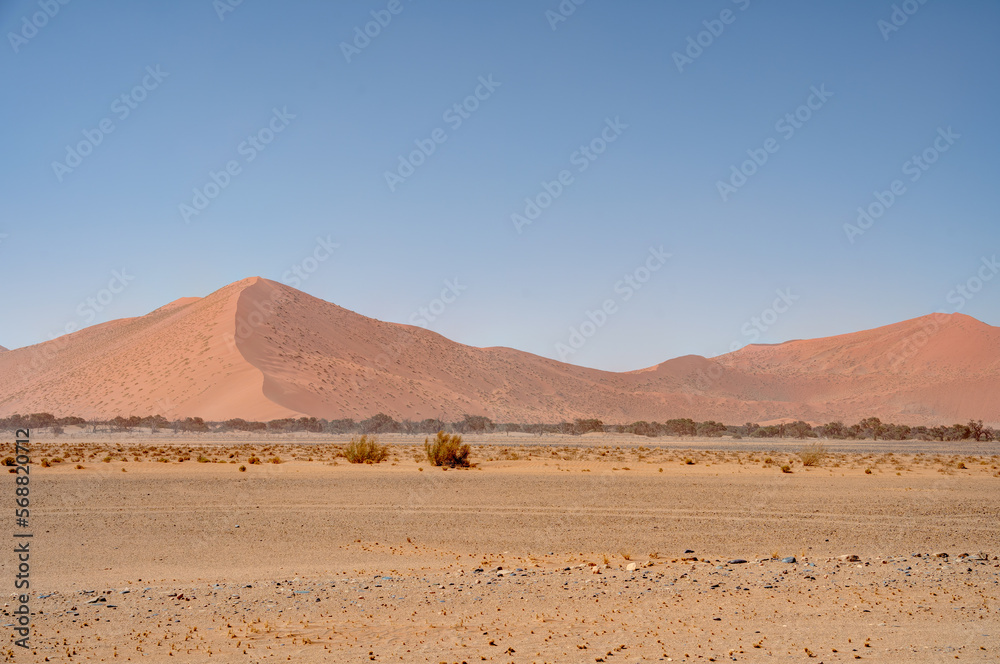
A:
(260, 350)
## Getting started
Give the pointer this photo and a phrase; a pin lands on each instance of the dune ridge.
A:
(259, 350)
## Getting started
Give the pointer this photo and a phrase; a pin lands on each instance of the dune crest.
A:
(260, 350)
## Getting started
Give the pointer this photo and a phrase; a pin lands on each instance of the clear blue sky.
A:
(655, 185)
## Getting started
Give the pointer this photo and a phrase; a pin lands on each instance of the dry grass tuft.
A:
(812, 454)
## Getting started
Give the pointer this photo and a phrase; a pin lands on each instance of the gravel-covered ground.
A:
(524, 558)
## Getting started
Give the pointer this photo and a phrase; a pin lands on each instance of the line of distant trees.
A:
(869, 428)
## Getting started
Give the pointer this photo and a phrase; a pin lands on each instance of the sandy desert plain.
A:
(595, 548)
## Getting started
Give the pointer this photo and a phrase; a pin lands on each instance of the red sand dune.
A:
(259, 350)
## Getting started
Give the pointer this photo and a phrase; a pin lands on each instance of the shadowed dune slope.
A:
(259, 350)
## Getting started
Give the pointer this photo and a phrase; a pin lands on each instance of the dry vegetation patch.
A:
(447, 450)
(365, 450)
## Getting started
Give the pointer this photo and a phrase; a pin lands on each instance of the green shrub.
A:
(365, 450)
(447, 450)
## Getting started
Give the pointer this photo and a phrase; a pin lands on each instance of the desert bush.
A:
(786, 468)
(365, 450)
(274, 459)
(253, 460)
(243, 469)
(447, 450)
(812, 454)
(9, 461)
(45, 463)
(202, 458)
